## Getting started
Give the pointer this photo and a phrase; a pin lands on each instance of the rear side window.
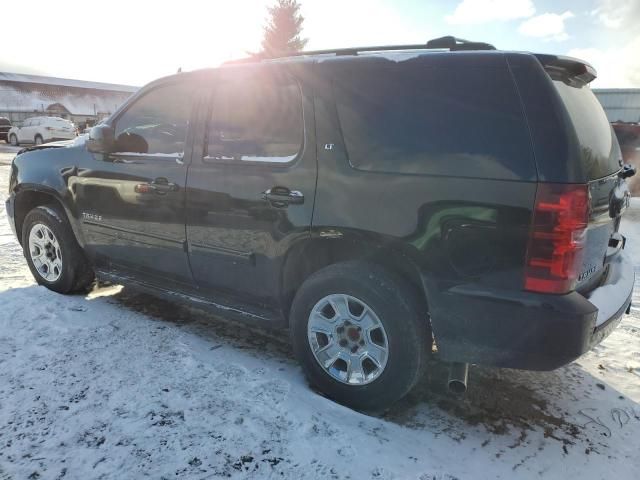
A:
(440, 121)
(600, 154)
(257, 119)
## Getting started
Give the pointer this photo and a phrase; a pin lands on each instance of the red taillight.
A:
(557, 237)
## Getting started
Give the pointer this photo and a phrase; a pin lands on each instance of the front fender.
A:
(43, 174)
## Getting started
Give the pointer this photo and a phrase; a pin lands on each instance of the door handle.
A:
(160, 186)
(282, 196)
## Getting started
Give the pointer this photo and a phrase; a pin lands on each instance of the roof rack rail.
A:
(448, 42)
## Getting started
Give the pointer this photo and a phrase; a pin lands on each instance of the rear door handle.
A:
(282, 196)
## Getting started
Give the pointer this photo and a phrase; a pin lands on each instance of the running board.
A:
(255, 315)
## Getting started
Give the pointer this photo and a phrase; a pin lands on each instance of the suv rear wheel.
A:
(38, 140)
(13, 140)
(360, 334)
(52, 252)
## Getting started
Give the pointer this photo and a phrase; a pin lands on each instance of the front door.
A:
(251, 190)
(131, 201)
(25, 133)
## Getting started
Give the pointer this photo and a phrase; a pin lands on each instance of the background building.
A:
(620, 104)
(84, 103)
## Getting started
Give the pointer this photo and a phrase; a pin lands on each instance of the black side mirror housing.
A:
(101, 139)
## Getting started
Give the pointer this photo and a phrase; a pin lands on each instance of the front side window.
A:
(157, 123)
(256, 120)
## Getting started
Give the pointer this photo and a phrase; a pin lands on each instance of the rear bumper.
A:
(526, 330)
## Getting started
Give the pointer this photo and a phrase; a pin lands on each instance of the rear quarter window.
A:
(599, 149)
(447, 120)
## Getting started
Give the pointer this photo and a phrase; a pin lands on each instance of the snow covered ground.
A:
(121, 385)
(7, 152)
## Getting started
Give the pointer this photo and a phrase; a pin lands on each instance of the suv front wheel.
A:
(361, 334)
(52, 252)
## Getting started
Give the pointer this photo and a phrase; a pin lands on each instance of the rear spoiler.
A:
(567, 69)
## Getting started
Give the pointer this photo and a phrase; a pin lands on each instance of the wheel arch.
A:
(28, 198)
(312, 254)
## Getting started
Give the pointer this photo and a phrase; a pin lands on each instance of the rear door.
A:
(59, 128)
(25, 131)
(251, 189)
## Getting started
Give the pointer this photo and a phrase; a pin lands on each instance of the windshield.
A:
(600, 149)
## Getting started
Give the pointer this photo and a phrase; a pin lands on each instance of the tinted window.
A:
(433, 120)
(4, 121)
(600, 154)
(259, 119)
(157, 122)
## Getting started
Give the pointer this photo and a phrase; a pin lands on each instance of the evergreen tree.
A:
(283, 29)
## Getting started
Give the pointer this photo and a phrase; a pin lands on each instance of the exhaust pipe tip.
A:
(457, 386)
(458, 376)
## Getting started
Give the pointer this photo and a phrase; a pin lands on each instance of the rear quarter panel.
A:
(459, 231)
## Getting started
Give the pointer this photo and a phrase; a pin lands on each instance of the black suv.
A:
(5, 126)
(371, 200)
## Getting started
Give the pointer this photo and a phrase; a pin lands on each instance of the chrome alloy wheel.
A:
(45, 252)
(347, 339)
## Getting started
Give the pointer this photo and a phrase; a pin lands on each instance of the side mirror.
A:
(101, 139)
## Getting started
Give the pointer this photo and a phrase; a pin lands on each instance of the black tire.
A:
(13, 140)
(35, 139)
(76, 274)
(402, 314)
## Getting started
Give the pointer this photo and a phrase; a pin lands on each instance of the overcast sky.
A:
(133, 42)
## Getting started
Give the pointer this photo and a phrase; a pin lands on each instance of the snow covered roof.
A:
(28, 93)
(65, 82)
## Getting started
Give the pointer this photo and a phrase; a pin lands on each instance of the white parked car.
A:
(40, 130)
